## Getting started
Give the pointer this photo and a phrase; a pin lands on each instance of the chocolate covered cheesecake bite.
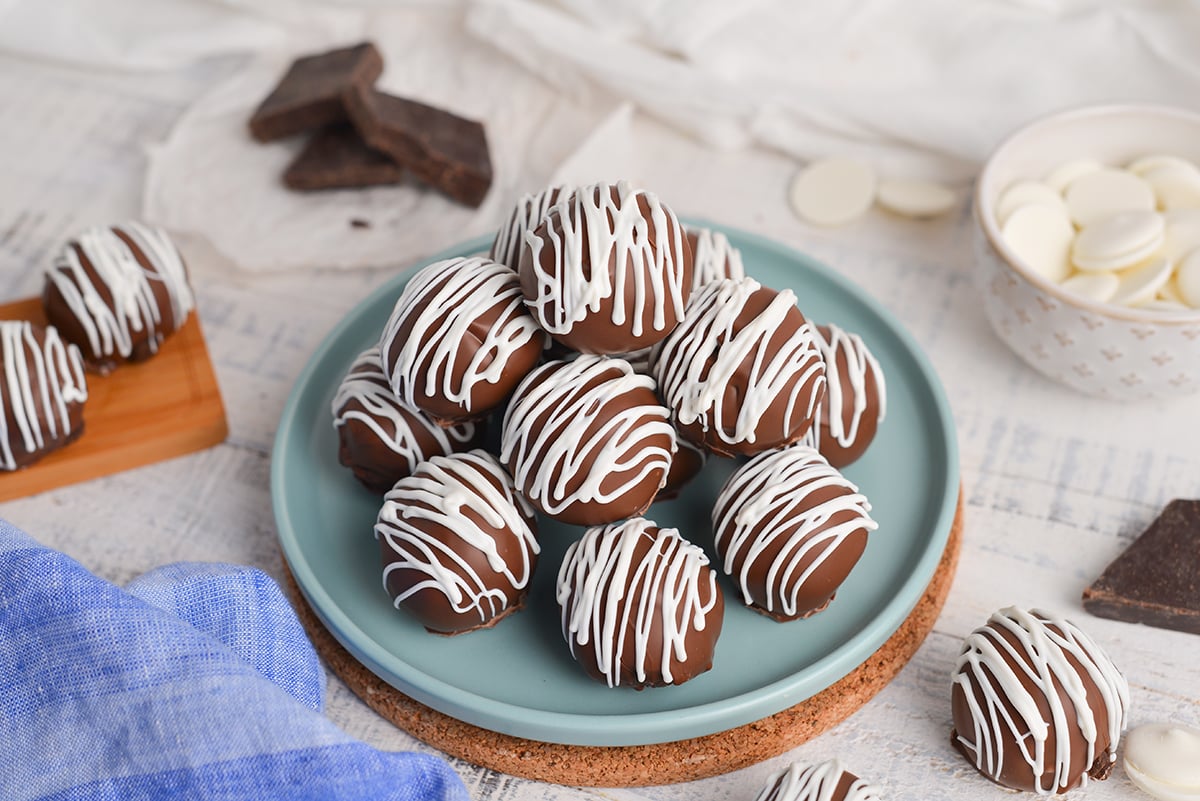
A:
(742, 373)
(1037, 705)
(118, 292)
(459, 339)
(828, 781)
(458, 543)
(608, 270)
(855, 400)
(42, 393)
(587, 441)
(713, 257)
(640, 605)
(526, 216)
(788, 529)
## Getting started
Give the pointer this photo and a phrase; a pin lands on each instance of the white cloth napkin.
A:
(924, 88)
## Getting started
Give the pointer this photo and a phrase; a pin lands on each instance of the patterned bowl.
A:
(1110, 351)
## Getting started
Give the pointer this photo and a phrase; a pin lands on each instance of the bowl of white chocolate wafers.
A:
(1088, 248)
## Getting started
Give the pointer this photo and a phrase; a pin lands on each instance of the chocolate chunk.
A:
(444, 150)
(310, 93)
(1156, 580)
(338, 158)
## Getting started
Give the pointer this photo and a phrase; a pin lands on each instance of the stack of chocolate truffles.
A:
(360, 136)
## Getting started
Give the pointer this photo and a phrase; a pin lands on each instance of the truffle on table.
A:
(1037, 705)
(42, 393)
(310, 94)
(788, 529)
(828, 781)
(337, 158)
(459, 545)
(742, 373)
(446, 151)
(118, 292)
(587, 441)
(640, 605)
(1156, 581)
(608, 270)
(380, 438)
(459, 339)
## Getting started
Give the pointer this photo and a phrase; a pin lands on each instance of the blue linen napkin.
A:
(195, 682)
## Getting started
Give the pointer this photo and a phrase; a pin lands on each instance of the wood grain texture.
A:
(139, 414)
(644, 765)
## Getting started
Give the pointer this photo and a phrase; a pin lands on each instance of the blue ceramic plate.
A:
(518, 678)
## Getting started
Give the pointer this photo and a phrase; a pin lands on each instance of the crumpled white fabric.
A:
(923, 88)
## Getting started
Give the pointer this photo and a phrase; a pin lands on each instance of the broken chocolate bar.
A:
(1156, 580)
(338, 158)
(310, 94)
(444, 150)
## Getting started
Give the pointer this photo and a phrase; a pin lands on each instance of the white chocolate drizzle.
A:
(110, 327)
(800, 782)
(1003, 698)
(860, 363)
(599, 579)
(444, 303)
(564, 442)
(526, 216)
(770, 497)
(714, 258)
(42, 380)
(623, 246)
(454, 493)
(708, 333)
(364, 395)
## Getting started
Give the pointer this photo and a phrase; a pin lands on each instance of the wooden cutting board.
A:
(139, 414)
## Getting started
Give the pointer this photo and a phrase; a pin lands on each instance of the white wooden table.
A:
(1056, 484)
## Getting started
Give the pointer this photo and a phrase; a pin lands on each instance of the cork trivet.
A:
(642, 765)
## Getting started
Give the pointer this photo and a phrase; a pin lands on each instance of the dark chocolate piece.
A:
(444, 150)
(338, 158)
(310, 94)
(1156, 580)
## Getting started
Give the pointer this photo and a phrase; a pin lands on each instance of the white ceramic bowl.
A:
(1100, 349)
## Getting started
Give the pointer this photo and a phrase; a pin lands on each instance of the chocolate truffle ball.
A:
(828, 781)
(742, 374)
(855, 399)
(587, 441)
(117, 293)
(380, 438)
(608, 270)
(788, 528)
(1037, 705)
(459, 339)
(42, 392)
(713, 257)
(459, 545)
(640, 605)
(526, 216)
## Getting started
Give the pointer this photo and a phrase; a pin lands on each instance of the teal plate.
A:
(518, 678)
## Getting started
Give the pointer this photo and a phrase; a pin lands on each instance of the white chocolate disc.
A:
(1163, 759)
(1140, 284)
(916, 198)
(1176, 186)
(1169, 291)
(1097, 286)
(1153, 161)
(833, 191)
(1061, 176)
(1182, 233)
(1119, 241)
(1187, 281)
(1041, 237)
(1026, 193)
(1164, 306)
(1106, 192)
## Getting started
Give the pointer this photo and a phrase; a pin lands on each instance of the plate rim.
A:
(571, 728)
